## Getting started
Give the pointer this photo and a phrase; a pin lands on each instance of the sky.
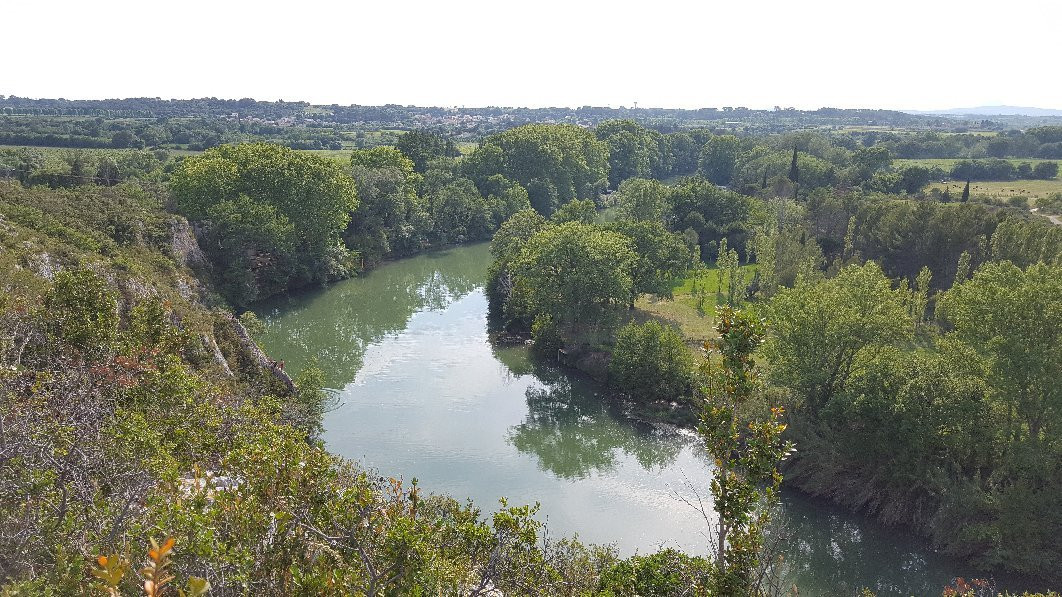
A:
(900, 54)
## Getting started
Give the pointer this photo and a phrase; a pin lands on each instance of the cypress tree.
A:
(764, 185)
(966, 192)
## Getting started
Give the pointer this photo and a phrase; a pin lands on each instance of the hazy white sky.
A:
(912, 54)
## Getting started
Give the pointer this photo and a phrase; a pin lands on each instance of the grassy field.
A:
(947, 164)
(693, 307)
(1034, 189)
(342, 155)
(62, 151)
(900, 130)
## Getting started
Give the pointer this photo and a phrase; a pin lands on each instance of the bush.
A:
(651, 362)
(546, 336)
(664, 573)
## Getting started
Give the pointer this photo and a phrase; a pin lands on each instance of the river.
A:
(422, 392)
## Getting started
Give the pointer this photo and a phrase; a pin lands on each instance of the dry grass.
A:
(1004, 189)
(946, 164)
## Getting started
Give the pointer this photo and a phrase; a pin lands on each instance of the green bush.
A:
(651, 362)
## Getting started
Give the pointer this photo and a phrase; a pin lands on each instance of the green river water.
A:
(422, 392)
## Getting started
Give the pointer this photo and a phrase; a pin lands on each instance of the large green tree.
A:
(578, 274)
(314, 193)
(309, 195)
(643, 199)
(819, 331)
(1013, 319)
(718, 158)
(554, 162)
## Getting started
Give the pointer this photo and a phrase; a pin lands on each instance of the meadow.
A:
(1004, 189)
(946, 164)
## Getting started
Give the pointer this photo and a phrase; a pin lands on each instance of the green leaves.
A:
(746, 453)
(820, 330)
(578, 274)
(651, 362)
(562, 159)
(83, 310)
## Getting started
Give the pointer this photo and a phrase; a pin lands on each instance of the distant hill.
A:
(993, 111)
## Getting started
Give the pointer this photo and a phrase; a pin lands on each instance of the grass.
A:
(62, 151)
(946, 164)
(694, 317)
(342, 155)
(1034, 189)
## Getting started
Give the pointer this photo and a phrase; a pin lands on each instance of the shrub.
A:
(651, 362)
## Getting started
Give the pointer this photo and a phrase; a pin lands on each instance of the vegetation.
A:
(273, 217)
(910, 349)
(133, 412)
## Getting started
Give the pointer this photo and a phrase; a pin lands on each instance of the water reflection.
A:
(335, 325)
(572, 431)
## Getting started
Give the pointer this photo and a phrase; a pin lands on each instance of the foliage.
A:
(718, 159)
(746, 454)
(643, 200)
(662, 257)
(83, 310)
(303, 201)
(821, 331)
(582, 211)
(633, 151)
(662, 574)
(578, 274)
(422, 146)
(650, 362)
(555, 163)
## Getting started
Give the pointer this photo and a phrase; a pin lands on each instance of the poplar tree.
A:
(794, 173)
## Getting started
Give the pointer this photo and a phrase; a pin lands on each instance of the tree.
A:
(312, 193)
(643, 200)
(554, 162)
(388, 206)
(108, 173)
(460, 213)
(1045, 170)
(728, 267)
(577, 210)
(965, 192)
(506, 247)
(422, 146)
(712, 212)
(794, 173)
(650, 361)
(1011, 318)
(869, 160)
(718, 159)
(633, 150)
(251, 244)
(820, 330)
(578, 274)
(920, 295)
(746, 454)
(382, 157)
(82, 310)
(663, 257)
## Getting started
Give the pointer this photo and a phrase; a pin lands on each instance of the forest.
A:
(803, 298)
